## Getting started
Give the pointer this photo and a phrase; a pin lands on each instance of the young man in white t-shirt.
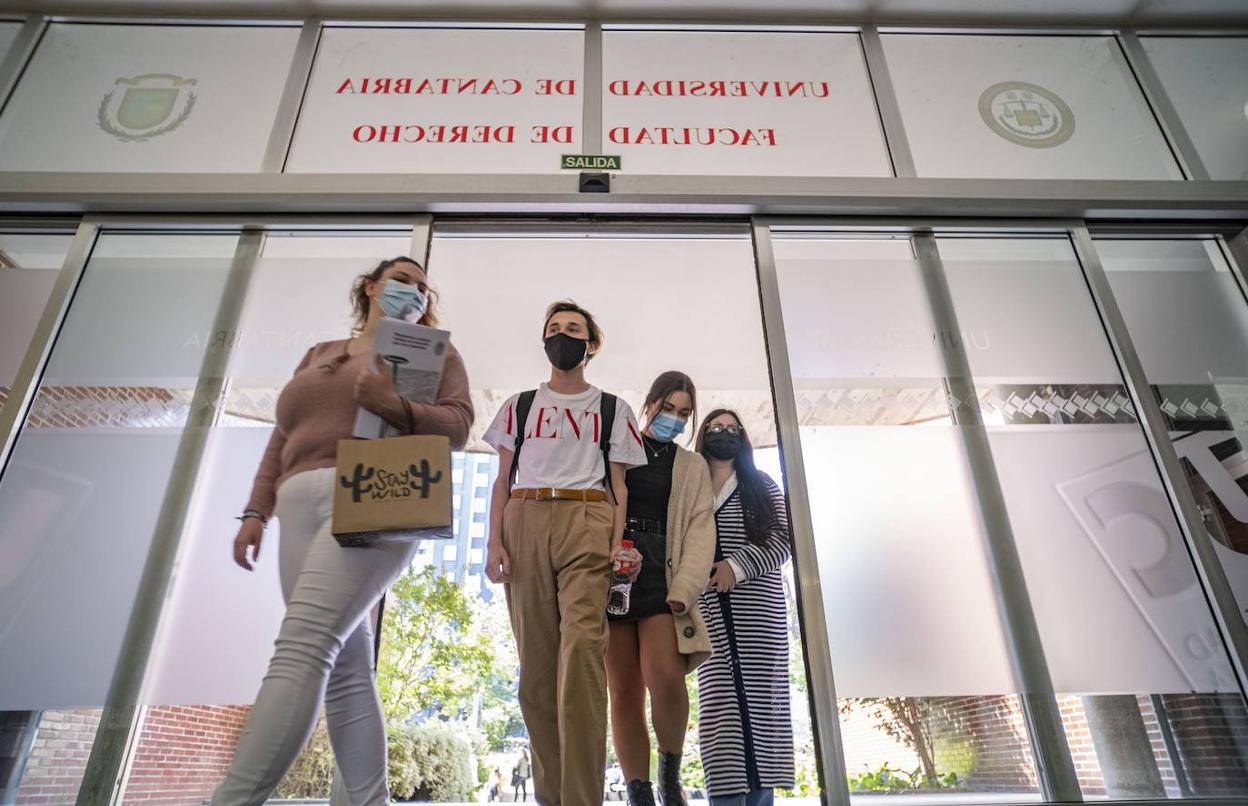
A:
(554, 531)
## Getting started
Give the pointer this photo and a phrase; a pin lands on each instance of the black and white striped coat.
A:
(745, 727)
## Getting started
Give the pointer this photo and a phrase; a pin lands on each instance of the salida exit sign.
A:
(591, 162)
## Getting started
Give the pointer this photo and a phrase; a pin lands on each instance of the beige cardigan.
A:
(690, 551)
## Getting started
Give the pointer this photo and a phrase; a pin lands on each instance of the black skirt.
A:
(648, 596)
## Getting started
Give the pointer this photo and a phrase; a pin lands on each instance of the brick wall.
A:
(1165, 764)
(183, 753)
(59, 759)
(1211, 732)
(1000, 751)
(1002, 754)
(1079, 739)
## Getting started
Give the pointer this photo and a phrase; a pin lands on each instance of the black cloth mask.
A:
(565, 352)
(722, 445)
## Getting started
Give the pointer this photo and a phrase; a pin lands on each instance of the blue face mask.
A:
(402, 301)
(666, 427)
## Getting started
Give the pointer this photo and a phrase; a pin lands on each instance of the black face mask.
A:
(565, 352)
(722, 445)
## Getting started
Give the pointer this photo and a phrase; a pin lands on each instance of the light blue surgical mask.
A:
(402, 301)
(666, 427)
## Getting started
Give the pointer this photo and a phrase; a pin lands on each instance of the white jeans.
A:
(324, 652)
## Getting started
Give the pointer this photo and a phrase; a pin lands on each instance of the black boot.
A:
(671, 793)
(640, 794)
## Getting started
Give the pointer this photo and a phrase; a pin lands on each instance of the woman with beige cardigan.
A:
(662, 638)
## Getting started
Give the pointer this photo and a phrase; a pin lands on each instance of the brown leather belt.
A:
(550, 494)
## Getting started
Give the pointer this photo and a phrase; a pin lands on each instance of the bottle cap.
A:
(628, 544)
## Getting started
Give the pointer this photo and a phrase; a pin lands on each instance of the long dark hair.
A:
(667, 384)
(359, 293)
(756, 504)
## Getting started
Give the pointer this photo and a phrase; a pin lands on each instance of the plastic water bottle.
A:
(623, 573)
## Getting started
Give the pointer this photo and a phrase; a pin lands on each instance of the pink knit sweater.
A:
(317, 408)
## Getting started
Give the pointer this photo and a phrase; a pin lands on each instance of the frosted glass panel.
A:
(297, 297)
(147, 98)
(1024, 310)
(1088, 511)
(935, 579)
(1034, 107)
(1189, 322)
(28, 270)
(441, 100)
(80, 495)
(715, 102)
(1125, 625)
(1115, 594)
(8, 34)
(865, 356)
(913, 625)
(1204, 78)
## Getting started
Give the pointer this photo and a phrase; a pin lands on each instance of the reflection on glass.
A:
(927, 693)
(1203, 78)
(198, 98)
(197, 698)
(80, 495)
(1124, 621)
(665, 113)
(1033, 107)
(8, 35)
(1187, 318)
(514, 104)
(1125, 627)
(28, 268)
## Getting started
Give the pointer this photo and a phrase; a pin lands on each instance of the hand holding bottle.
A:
(625, 568)
(626, 564)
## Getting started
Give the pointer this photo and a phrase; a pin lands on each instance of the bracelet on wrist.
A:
(411, 417)
(251, 513)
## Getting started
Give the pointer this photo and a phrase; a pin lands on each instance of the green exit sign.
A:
(591, 162)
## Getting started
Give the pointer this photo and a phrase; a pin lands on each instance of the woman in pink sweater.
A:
(324, 647)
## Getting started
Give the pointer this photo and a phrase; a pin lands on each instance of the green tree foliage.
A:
(917, 722)
(500, 708)
(431, 762)
(434, 653)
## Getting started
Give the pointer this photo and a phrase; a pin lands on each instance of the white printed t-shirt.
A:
(561, 439)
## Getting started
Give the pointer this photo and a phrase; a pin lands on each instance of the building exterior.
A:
(975, 276)
(464, 559)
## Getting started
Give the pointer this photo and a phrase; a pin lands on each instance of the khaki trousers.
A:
(560, 555)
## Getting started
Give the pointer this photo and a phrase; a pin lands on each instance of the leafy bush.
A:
(313, 772)
(691, 773)
(889, 779)
(431, 763)
(806, 775)
(427, 762)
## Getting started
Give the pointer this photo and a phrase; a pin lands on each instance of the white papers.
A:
(414, 355)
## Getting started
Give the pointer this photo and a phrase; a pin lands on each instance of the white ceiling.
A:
(1163, 13)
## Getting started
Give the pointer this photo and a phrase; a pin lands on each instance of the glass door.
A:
(1002, 575)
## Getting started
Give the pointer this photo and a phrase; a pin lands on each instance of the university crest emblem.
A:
(146, 106)
(1027, 114)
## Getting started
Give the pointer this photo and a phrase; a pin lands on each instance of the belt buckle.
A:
(543, 494)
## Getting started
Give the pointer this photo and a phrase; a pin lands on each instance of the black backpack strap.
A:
(607, 409)
(524, 404)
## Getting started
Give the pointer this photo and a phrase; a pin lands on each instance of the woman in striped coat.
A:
(745, 730)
